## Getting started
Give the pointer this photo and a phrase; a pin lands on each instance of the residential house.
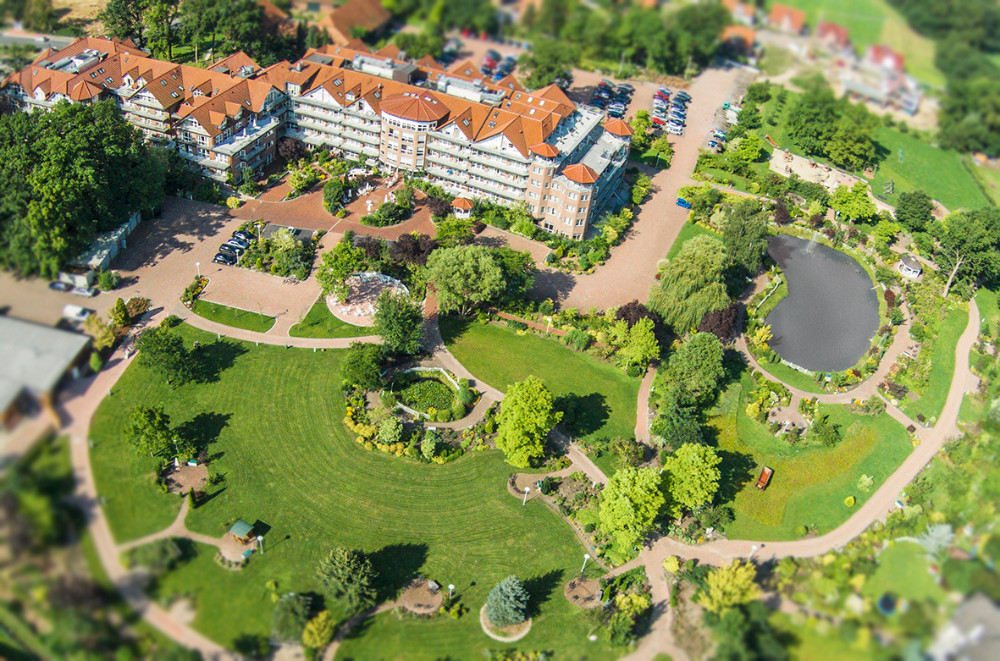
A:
(740, 39)
(880, 77)
(787, 19)
(344, 22)
(742, 13)
(833, 37)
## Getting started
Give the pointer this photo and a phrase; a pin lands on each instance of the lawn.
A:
(875, 22)
(939, 173)
(810, 483)
(688, 232)
(903, 571)
(793, 377)
(319, 322)
(271, 417)
(235, 317)
(606, 398)
(935, 393)
(974, 408)
(816, 640)
(989, 179)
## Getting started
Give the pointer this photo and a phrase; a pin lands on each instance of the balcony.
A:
(256, 130)
(446, 161)
(316, 103)
(361, 136)
(318, 126)
(509, 180)
(142, 111)
(496, 189)
(329, 116)
(448, 147)
(364, 125)
(203, 161)
(445, 173)
(500, 164)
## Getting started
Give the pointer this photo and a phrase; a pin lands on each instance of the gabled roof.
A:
(366, 14)
(783, 15)
(619, 128)
(580, 173)
(417, 107)
(241, 529)
(544, 150)
(838, 34)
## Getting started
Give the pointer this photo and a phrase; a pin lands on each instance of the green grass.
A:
(810, 483)
(688, 232)
(935, 393)
(272, 418)
(501, 357)
(814, 640)
(989, 179)
(939, 173)
(974, 407)
(319, 322)
(235, 317)
(792, 377)
(903, 571)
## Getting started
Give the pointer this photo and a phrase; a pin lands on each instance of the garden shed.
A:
(242, 531)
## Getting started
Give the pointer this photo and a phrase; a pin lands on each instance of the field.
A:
(319, 322)
(935, 393)
(939, 173)
(989, 179)
(810, 482)
(501, 357)
(223, 314)
(903, 571)
(875, 22)
(271, 418)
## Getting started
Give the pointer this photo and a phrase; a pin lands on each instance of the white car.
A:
(675, 130)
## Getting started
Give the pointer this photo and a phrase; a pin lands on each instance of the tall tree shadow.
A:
(736, 470)
(215, 358)
(397, 565)
(540, 589)
(583, 414)
(203, 430)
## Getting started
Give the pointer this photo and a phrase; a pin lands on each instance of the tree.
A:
(745, 235)
(749, 149)
(398, 322)
(630, 503)
(729, 586)
(633, 311)
(148, 430)
(517, 270)
(814, 118)
(363, 366)
(745, 632)
(722, 323)
(507, 603)
(675, 425)
(824, 432)
(640, 347)
(913, 210)
(119, 314)
(662, 150)
(319, 631)
(526, 417)
(390, 431)
(464, 277)
(200, 19)
(158, 19)
(347, 575)
(549, 61)
(694, 477)
(429, 444)
(851, 147)
(853, 203)
(692, 284)
(641, 124)
(338, 265)
(333, 194)
(412, 249)
(696, 369)
(162, 350)
(103, 333)
(969, 247)
(123, 19)
(291, 614)
(452, 231)
(159, 556)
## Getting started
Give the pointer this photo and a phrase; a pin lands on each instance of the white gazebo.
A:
(909, 267)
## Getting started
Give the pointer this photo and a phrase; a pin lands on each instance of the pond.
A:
(830, 315)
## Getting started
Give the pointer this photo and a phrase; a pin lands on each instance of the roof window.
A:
(492, 125)
(466, 122)
(174, 94)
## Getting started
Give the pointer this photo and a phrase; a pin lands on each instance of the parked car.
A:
(87, 292)
(721, 135)
(675, 130)
(76, 313)
(244, 236)
(663, 90)
(659, 120)
(239, 243)
(681, 202)
(625, 87)
(60, 286)
(228, 249)
(616, 114)
(225, 258)
(681, 94)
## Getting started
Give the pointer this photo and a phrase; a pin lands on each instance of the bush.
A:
(577, 339)
(425, 393)
(457, 411)
(107, 280)
(517, 325)
(507, 603)
(233, 202)
(96, 362)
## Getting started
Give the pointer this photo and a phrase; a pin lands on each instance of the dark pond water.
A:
(830, 315)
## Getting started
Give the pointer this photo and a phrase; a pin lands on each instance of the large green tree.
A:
(162, 350)
(913, 210)
(696, 369)
(692, 284)
(630, 503)
(338, 265)
(397, 322)
(347, 575)
(853, 203)
(464, 277)
(507, 603)
(640, 346)
(969, 248)
(124, 19)
(148, 430)
(744, 233)
(526, 417)
(549, 61)
(694, 477)
(159, 21)
(363, 366)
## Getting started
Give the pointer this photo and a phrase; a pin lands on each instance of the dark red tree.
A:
(412, 249)
(633, 311)
(781, 214)
(722, 323)
(438, 207)
(890, 298)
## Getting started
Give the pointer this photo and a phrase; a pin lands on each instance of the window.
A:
(584, 197)
(533, 195)
(537, 170)
(568, 221)
(174, 94)
(579, 222)
(535, 182)
(582, 209)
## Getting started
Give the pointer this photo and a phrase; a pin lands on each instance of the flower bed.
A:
(425, 393)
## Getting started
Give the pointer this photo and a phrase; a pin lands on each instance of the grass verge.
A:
(935, 393)
(235, 317)
(319, 323)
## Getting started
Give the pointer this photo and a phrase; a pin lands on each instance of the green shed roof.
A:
(241, 528)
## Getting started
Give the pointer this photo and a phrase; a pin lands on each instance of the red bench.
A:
(765, 478)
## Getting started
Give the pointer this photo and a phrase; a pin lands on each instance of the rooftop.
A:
(36, 357)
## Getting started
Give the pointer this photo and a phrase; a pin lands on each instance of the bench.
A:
(765, 478)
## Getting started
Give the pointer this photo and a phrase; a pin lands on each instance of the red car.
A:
(659, 120)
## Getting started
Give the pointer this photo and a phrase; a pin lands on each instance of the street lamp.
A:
(450, 588)
(526, 490)
(260, 544)
(197, 265)
(586, 557)
(753, 549)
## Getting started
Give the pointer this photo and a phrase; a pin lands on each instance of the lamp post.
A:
(197, 265)
(586, 557)
(526, 490)
(753, 549)
(260, 543)
(451, 587)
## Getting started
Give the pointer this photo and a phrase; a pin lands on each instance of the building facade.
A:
(476, 139)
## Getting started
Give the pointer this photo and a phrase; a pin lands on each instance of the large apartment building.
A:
(477, 139)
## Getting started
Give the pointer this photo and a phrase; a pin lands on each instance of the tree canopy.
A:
(507, 603)
(692, 284)
(550, 61)
(347, 575)
(694, 477)
(729, 586)
(744, 233)
(464, 277)
(969, 248)
(162, 350)
(525, 420)
(397, 321)
(696, 369)
(630, 503)
(853, 203)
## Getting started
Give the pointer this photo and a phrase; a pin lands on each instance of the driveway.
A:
(629, 272)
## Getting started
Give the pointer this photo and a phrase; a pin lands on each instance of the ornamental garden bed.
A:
(431, 394)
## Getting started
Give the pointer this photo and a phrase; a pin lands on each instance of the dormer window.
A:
(109, 80)
(174, 94)
(163, 83)
(338, 82)
(466, 123)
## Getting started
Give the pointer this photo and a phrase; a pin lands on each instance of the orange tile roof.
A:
(366, 14)
(417, 107)
(580, 173)
(545, 150)
(747, 36)
(462, 203)
(796, 18)
(619, 128)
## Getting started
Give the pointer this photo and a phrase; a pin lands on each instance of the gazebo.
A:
(242, 531)
(462, 207)
(909, 267)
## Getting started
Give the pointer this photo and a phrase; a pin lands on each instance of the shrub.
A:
(96, 362)
(577, 339)
(465, 395)
(390, 431)
(120, 316)
(457, 411)
(159, 556)
(588, 527)
(107, 280)
(507, 603)
(233, 202)
(429, 444)
(517, 325)
(424, 393)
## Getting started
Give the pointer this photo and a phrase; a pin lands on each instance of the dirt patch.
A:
(183, 478)
(584, 592)
(509, 634)
(182, 611)
(80, 12)
(421, 596)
